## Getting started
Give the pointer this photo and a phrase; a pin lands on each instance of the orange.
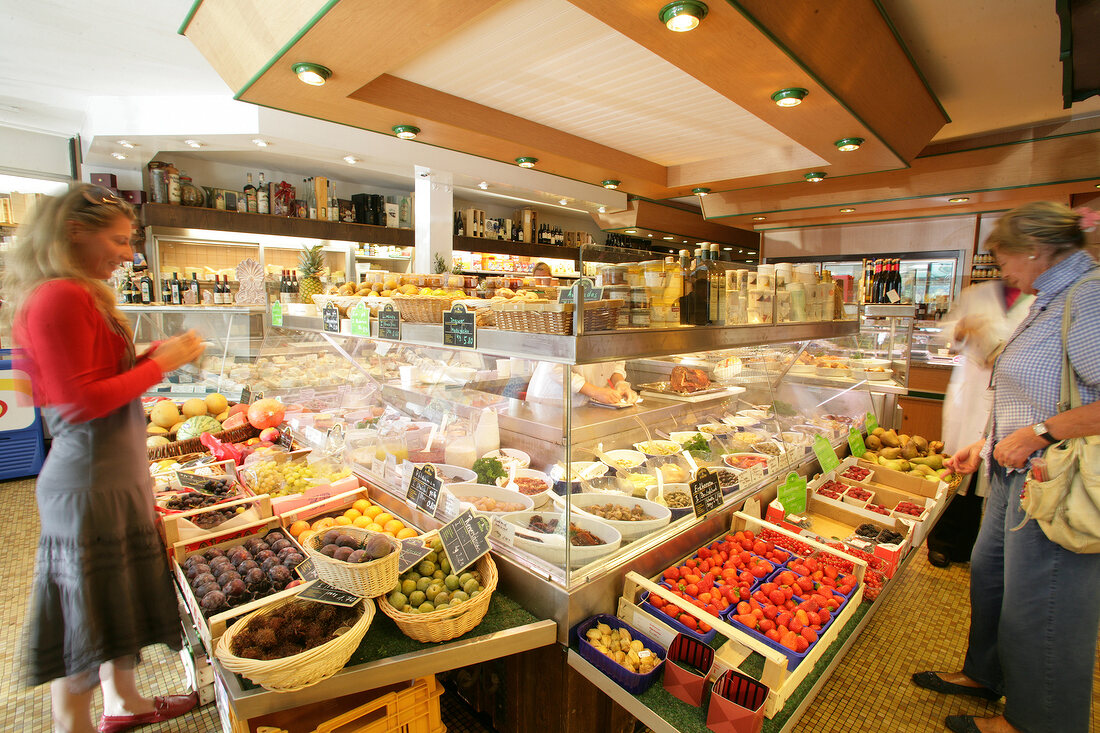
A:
(374, 527)
(361, 522)
(388, 533)
(343, 521)
(406, 533)
(373, 511)
(353, 514)
(304, 536)
(361, 506)
(394, 525)
(383, 518)
(298, 527)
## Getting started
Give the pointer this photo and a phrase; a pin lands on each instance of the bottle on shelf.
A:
(333, 207)
(165, 292)
(294, 285)
(263, 200)
(148, 294)
(459, 230)
(876, 283)
(284, 287)
(717, 279)
(194, 286)
(311, 197)
(250, 196)
(698, 305)
(172, 180)
(177, 289)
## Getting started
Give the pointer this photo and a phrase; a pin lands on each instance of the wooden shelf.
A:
(519, 249)
(185, 217)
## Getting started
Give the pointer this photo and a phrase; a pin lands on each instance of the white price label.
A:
(504, 532)
(651, 627)
(644, 653)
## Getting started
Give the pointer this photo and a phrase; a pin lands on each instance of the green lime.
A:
(426, 567)
(416, 598)
(471, 586)
(423, 583)
(425, 607)
(408, 586)
(451, 582)
(398, 599)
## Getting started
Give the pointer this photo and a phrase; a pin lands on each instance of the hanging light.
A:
(848, 144)
(700, 191)
(790, 97)
(815, 176)
(406, 132)
(526, 161)
(610, 183)
(313, 74)
(683, 15)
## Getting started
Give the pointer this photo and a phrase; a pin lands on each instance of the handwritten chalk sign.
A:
(322, 592)
(412, 552)
(360, 320)
(459, 328)
(389, 323)
(306, 570)
(330, 318)
(423, 488)
(706, 492)
(569, 295)
(826, 456)
(465, 539)
(792, 494)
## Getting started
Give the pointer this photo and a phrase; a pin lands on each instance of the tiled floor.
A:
(922, 626)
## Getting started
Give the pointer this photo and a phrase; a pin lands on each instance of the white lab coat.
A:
(969, 400)
(546, 380)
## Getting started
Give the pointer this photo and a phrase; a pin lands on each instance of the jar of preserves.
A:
(190, 194)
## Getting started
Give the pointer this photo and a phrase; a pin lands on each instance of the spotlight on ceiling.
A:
(313, 74)
(683, 15)
(791, 97)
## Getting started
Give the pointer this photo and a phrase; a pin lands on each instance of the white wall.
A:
(34, 154)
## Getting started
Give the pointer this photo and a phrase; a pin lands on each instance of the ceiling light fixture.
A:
(406, 132)
(260, 142)
(118, 156)
(484, 185)
(847, 211)
(193, 143)
(791, 97)
(958, 199)
(759, 218)
(610, 183)
(631, 231)
(350, 159)
(727, 249)
(602, 209)
(563, 202)
(127, 144)
(526, 161)
(700, 191)
(683, 15)
(815, 176)
(313, 74)
(849, 144)
(669, 238)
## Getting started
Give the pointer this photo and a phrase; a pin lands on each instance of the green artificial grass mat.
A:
(384, 640)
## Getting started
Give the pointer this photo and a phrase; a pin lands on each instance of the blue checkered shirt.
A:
(1027, 378)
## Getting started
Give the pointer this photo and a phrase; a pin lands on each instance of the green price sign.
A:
(871, 423)
(792, 493)
(277, 314)
(360, 320)
(855, 442)
(826, 456)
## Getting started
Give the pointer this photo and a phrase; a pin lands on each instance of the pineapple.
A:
(310, 262)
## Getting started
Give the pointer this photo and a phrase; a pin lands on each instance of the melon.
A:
(194, 407)
(266, 413)
(239, 407)
(165, 414)
(216, 403)
(154, 441)
(152, 429)
(222, 416)
(175, 428)
(236, 420)
(193, 427)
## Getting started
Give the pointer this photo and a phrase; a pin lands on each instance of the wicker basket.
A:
(194, 445)
(555, 318)
(301, 670)
(423, 308)
(365, 579)
(449, 623)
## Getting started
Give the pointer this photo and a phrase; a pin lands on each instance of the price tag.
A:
(330, 318)
(569, 295)
(306, 570)
(772, 465)
(792, 493)
(825, 454)
(651, 627)
(450, 507)
(197, 482)
(744, 479)
(871, 423)
(706, 492)
(459, 328)
(276, 314)
(412, 552)
(504, 532)
(286, 439)
(855, 442)
(465, 539)
(893, 296)
(360, 320)
(423, 488)
(322, 592)
(389, 323)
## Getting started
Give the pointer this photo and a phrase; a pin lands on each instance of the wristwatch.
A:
(1040, 429)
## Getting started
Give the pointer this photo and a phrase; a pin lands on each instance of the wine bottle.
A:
(263, 201)
(250, 196)
(165, 292)
(876, 283)
(311, 198)
(147, 294)
(294, 285)
(195, 290)
(333, 207)
(177, 289)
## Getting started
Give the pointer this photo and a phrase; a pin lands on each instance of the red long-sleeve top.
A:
(74, 357)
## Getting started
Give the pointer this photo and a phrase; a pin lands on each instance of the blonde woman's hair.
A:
(1050, 226)
(44, 251)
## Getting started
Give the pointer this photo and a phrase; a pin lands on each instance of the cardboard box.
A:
(889, 478)
(107, 180)
(134, 196)
(473, 222)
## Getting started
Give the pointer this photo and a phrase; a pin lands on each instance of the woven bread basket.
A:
(365, 579)
(554, 318)
(300, 670)
(193, 445)
(451, 622)
(422, 308)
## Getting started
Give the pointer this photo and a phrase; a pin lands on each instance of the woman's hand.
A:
(1014, 450)
(967, 459)
(606, 395)
(181, 349)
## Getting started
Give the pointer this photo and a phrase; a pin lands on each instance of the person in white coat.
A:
(605, 383)
(982, 320)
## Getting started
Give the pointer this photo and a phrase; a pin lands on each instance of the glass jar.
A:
(190, 194)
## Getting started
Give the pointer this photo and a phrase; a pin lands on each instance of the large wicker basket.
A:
(555, 318)
(300, 670)
(422, 308)
(194, 445)
(449, 623)
(366, 579)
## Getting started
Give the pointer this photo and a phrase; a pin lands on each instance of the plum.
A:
(274, 536)
(212, 553)
(201, 579)
(227, 576)
(235, 587)
(264, 554)
(280, 544)
(247, 565)
(213, 602)
(202, 590)
(235, 548)
(269, 563)
(280, 575)
(197, 569)
(293, 560)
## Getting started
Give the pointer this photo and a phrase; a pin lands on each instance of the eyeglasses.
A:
(100, 196)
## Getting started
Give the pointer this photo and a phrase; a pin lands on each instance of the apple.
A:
(269, 435)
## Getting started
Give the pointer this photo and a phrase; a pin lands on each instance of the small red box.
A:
(134, 197)
(107, 180)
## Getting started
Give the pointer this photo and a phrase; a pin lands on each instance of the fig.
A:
(377, 546)
(346, 540)
(330, 550)
(342, 553)
(358, 556)
(228, 576)
(330, 537)
(213, 602)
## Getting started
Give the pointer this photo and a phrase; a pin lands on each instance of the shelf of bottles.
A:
(881, 281)
(136, 287)
(984, 268)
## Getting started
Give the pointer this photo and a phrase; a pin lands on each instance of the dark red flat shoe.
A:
(164, 708)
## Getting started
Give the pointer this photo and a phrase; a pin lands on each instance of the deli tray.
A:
(664, 391)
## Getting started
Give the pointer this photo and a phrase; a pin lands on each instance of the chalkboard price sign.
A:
(322, 592)
(459, 328)
(412, 552)
(465, 539)
(389, 323)
(706, 492)
(569, 295)
(424, 486)
(306, 570)
(330, 318)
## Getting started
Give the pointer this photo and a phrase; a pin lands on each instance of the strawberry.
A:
(772, 634)
(746, 620)
(689, 621)
(800, 644)
(783, 619)
(765, 624)
(771, 612)
(776, 596)
(743, 608)
(809, 635)
(795, 625)
(789, 640)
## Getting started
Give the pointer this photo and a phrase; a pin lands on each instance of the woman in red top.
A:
(102, 588)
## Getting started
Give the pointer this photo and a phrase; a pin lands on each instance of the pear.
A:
(921, 443)
(895, 465)
(878, 431)
(909, 450)
(890, 438)
(904, 439)
(872, 442)
(923, 469)
(933, 461)
(935, 446)
(870, 457)
(890, 453)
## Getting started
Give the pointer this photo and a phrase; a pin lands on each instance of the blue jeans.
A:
(1034, 613)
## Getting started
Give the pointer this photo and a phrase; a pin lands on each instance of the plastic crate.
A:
(415, 710)
(653, 611)
(794, 658)
(632, 682)
(22, 445)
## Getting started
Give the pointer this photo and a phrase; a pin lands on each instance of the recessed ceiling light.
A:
(602, 209)
(1098, 185)
(563, 202)
(631, 231)
(484, 185)
(118, 156)
(313, 74)
(727, 249)
(700, 191)
(847, 211)
(260, 142)
(610, 183)
(406, 132)
(526, 161)
(669, 238)
(193, 143)
(350, 159)
(815, 176)
(849, 144)
(127, 144)
(791, 97)
(759, 218)
(958, 199)
(683, 15)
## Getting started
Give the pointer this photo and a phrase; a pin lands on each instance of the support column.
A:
(434, 210)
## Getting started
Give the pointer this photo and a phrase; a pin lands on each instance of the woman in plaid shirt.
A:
(1035, 606)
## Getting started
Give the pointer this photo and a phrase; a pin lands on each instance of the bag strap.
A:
(1070, 396)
